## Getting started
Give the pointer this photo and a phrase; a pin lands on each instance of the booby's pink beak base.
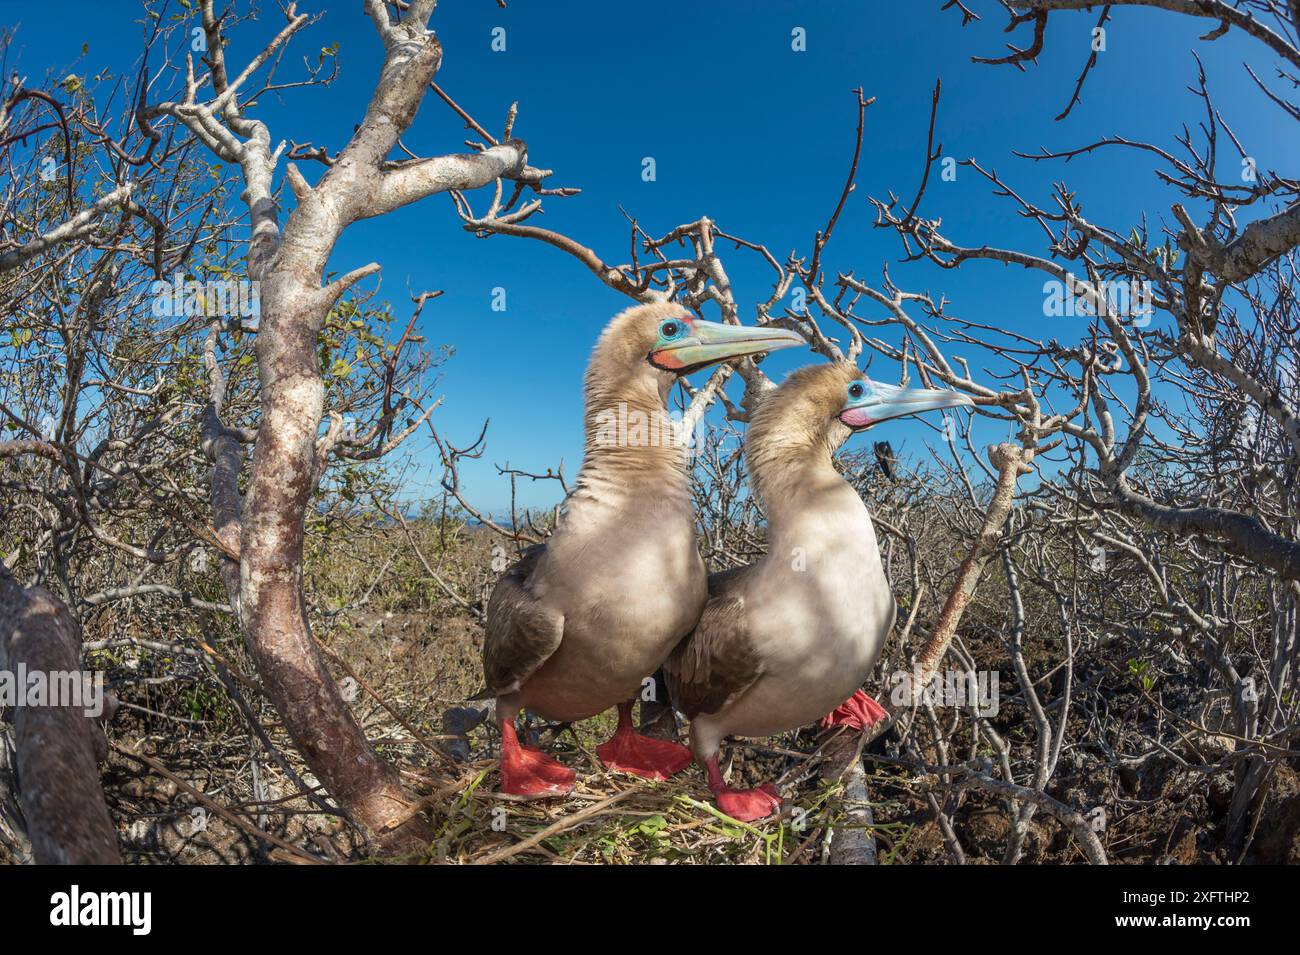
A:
(689, 344)
(870, 402)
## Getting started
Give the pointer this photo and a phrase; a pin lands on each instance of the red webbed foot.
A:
(747, 805)
(859, 712)
(530, 772)
(630, 752)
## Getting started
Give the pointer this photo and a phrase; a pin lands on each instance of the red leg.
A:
(743, 804)
(630, 752)
(858, 711)
(530, 772)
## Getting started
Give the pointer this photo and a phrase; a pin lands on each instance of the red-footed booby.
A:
(579, 622)
(792, 637)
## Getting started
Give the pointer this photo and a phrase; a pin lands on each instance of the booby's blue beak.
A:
(868, 402)
(686, 344)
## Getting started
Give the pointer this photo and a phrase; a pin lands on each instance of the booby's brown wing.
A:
(521, 633)
(717, 662)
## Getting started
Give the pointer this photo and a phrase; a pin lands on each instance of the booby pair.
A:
(580, 621)
(793, 637)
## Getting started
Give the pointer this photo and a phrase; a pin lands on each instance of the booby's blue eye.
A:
(856, 390)
(671, 329)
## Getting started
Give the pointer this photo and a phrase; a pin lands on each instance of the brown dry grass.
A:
(417, 650)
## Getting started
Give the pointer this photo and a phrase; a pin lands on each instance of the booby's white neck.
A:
(814, 512)
(634, 450)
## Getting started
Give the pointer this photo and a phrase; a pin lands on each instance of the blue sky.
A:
(743, 129)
